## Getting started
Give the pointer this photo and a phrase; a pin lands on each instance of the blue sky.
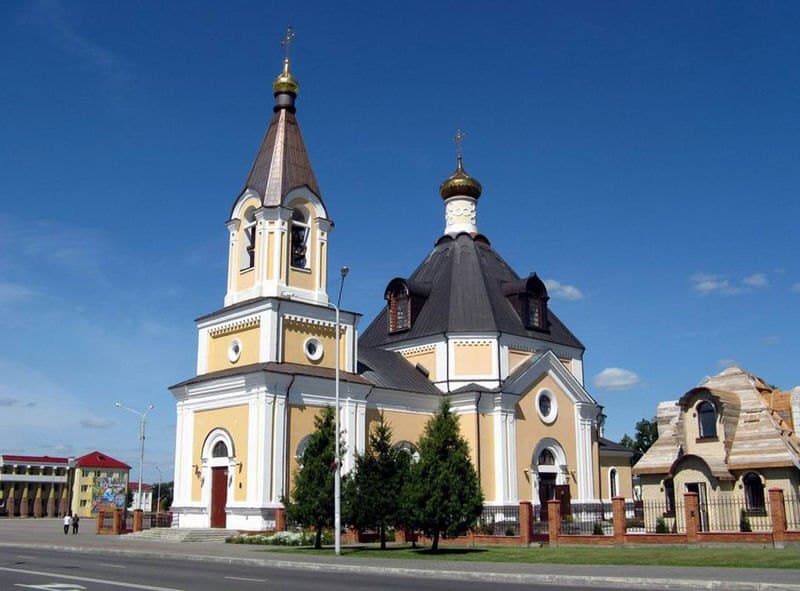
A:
(642, 157)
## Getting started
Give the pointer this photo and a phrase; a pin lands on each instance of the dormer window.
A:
(248, 253)
(399, 309)
(529, 299)
(707, 420)
(299, 240)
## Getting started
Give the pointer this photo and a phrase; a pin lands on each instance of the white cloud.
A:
(615, 378)
(562, 290)
(756, 280)
(771, 340)
(795, 288)
(96, 423)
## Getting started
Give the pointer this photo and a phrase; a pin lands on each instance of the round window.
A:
(234, 350)
(546, 405)
(313, 349)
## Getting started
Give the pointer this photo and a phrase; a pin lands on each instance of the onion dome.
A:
(285, 83)
(460, 183)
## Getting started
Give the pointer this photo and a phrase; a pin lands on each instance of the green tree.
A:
(372, 494)
(311, 503)
(645, 436)
(442, 496)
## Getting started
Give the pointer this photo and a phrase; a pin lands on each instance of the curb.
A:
(556, 580)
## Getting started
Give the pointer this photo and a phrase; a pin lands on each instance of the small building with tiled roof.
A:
(463, 327)
(100, 483)
(734, 433)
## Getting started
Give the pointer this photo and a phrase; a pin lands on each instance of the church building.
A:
(463, 326)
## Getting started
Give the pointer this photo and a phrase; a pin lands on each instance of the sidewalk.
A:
(48, 534)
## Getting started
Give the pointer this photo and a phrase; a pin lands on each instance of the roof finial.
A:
(286, 42)
(458, 138)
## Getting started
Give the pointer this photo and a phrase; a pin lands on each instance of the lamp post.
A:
(158, 488)
(142, 421)
(337, 479)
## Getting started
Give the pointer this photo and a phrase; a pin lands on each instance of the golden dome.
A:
(460, 183)
(285, 82)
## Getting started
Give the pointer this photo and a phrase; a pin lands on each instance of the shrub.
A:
(744, 522)
(661, 526)
(597, 530)
(281, 538)
(510, 531)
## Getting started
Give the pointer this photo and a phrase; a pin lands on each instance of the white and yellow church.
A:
(463, 326)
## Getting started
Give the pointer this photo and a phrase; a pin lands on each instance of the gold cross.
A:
(459, 139)
(287, 40)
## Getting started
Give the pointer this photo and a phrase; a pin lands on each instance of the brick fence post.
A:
(553, 521)
(691, 510)
(99, 522)
(280, 519)
(778, 513)
(525, 522)
(618, 512)
(117, 524)
(138, 520)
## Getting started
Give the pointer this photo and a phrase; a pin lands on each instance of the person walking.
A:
(67, 523)
(75, 521)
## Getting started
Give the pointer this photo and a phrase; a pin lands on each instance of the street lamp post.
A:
(158, 487)
(142, 421)
(337, 479)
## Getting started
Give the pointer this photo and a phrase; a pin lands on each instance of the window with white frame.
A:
(247, 257)
(299, 240)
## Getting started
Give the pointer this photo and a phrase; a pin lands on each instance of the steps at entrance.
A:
(174, 534)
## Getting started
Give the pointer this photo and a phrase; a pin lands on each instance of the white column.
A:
(262, 250)
(279, 449)
(460, 215)
(255, 426)
(584, 419)
(233, 267)
(181, 466)
(500, 452)
(202, 351)
(512, 494)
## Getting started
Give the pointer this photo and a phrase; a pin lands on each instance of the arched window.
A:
(753, 492)
(220, 450)
(612, 482)
(408, 448)
(399, 302)
(301, 448)
(546, 458)
(669, 496)
(247, 259)
(299, 239)
(707, 419)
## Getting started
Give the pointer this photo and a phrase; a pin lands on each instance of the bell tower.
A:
(279, 224)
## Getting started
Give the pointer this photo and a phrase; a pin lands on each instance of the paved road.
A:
(66, 571)
(24, 536)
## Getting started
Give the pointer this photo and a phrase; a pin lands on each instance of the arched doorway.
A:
(548, 467)
(218, 456)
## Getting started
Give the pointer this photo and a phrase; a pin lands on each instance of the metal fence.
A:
(496, 520)
(588, 519)
(660, 517)
(792, 505)
(729, 513)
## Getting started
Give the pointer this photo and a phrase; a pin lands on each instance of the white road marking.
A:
(26, 557)
(247, 579)
(109, 565)
(54, 587)
(86, 579)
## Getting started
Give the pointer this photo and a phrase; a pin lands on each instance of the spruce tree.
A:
(311, 504)
(442, 496)
(372, 494)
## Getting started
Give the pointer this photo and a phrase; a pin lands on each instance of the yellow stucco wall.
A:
(234, 420)
(531, 429)
(426, 359)
(624, 478)
(486, 425)
(516, 358)
(218, 348)
(472, 359)
(300, 423)
(295, 334)
(405, 426)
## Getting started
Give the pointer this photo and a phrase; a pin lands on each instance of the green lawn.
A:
(740, 557)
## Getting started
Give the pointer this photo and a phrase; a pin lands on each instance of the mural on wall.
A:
(109, 493)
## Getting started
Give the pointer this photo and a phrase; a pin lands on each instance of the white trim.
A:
(551, 417)
(315, 344)
(234, 350)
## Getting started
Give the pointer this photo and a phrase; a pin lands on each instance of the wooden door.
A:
(219, 496)
(547, 492)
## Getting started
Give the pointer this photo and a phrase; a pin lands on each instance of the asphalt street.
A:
(111, 562)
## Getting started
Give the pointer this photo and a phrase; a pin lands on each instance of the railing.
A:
(792, 505)
(729, 513)
(499, 520)
(154, 520)
(588, 519)
(659, 517)
(108, 520)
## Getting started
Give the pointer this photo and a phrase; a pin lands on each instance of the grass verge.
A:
(729, 557)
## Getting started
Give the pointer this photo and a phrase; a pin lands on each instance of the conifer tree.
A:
(311, 504)
(442, 496)
(372, 494)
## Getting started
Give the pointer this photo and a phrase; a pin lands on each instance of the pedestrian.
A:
(67, 523)
(75, 520)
